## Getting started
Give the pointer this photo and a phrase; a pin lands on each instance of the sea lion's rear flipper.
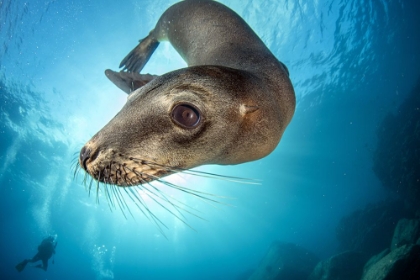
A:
(128, 81)
(138, 57)
(21, 265)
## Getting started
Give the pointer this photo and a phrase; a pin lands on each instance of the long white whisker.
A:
(114, 176)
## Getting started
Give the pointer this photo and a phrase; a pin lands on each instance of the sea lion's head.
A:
(180, 120)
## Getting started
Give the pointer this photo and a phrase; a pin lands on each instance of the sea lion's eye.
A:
(186, 115)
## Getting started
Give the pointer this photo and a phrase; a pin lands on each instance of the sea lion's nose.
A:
(84, 156)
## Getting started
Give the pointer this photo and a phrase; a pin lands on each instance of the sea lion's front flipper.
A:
(138, 57)
(128, 81)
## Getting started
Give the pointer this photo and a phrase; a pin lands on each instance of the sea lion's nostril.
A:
(84, 156)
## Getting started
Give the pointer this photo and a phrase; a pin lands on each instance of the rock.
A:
(396, 161)
(401, 263)
(285, 261)
(370, 230)
(406, 232)
(345, 266)
(375, 259)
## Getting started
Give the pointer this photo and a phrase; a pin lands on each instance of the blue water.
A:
(351, 63)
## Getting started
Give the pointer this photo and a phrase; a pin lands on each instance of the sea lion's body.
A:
(230, 105)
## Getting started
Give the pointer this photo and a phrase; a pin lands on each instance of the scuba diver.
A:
(45, 250)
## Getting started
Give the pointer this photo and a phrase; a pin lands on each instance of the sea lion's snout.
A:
(113, 166)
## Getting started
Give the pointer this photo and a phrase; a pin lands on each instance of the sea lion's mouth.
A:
(117, 169)
(127, 173)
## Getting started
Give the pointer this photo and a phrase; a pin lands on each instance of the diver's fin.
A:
(21, 265)
(128, 81)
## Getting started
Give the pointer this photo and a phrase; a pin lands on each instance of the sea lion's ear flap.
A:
(128, 81)
(247, 109)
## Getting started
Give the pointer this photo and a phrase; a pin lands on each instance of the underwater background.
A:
(353, 65)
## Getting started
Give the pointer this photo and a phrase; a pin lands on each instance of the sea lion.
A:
(230, 105)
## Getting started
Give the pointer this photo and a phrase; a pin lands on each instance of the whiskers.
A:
(134, 187)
